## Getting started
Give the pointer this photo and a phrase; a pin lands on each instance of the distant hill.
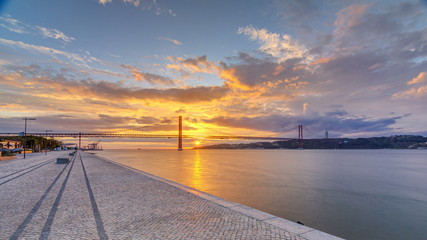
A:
(392, 142)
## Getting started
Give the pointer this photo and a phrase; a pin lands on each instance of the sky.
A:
(241, 67)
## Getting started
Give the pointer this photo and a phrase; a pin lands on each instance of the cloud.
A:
(192, 65)
(14, 25)
(36, 80)
(135, 3)
(114, 120)
(411, 93)
(398, 30)
(150, 5)
(422, 77)
(105, 1)
(302, 15)
(90, 123)
(415, 92)
(184, 95)
(59, 122)
(250, 72)
(176, 42)
(79, 64)
(48, 51)
(282, 47)
(313, 123)
(70, 123)
(147, 120)
(167, 127)
(54, 33)
(181, 110)
(148, 77)
(349, 17)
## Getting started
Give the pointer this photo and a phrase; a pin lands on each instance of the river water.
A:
(354, 194)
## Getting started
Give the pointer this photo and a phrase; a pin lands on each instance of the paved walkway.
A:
(93, 198)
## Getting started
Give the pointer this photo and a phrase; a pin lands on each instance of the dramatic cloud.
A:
(282, 47)
(251, 72)
(43, 81)
(176, 42)
(69, 123)
(148, 77)
(315, 124)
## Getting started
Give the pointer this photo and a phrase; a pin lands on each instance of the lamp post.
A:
(46, 137)
(25, 133)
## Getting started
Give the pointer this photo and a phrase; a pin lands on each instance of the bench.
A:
(62, 160)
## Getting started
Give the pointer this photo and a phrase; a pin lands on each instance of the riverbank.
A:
(92, 198)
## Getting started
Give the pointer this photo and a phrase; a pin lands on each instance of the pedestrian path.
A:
(94, 198)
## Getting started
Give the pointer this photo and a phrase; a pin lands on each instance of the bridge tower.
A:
(300, 137)
(180, 134)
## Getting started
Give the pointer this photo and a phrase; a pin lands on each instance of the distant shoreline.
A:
(392, 142)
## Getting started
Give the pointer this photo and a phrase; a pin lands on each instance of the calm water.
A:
(355, 194)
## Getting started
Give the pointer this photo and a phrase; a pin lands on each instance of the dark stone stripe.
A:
(25, 169)
(36, 207)
(99, 224)
(48, 224)
(23, 174)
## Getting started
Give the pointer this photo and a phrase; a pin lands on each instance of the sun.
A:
(197, 143)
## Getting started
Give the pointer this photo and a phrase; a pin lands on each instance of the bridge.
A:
(178, 136)
(165, 136)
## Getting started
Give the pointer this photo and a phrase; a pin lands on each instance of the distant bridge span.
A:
(130, 135)
(179, 136)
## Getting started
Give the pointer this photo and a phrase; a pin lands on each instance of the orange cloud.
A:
(98, 89)
(422, 77)
(413, 92)
(322, 61)
(148, 77)
(192, 65)
(229, 74)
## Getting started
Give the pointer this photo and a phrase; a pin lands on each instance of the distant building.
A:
(68, 146)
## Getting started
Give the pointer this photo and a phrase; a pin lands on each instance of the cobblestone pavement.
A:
(91, 198)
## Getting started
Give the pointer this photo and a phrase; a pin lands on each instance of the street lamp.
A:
(25, 133)
(46, 137)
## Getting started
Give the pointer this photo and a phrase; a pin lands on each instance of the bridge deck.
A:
(130, 135)
(92, 198)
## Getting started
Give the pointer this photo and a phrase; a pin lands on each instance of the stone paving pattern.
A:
(91, 198)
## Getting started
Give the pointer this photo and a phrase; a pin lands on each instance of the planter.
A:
(7, 158)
